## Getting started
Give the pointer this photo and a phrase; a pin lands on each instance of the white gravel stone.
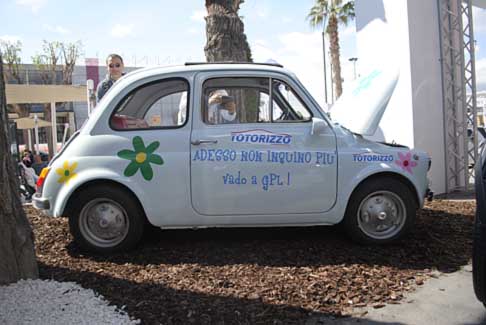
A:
(52, 302)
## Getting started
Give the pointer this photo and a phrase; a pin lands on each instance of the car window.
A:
(291, 106)
(247, 100)
(233, 100)
(155, 105)
(265, 108)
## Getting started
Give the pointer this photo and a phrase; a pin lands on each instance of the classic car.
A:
(232, 145)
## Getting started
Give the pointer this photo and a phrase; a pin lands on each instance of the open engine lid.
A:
(361, 108)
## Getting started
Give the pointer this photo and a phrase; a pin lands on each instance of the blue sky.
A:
(167, 32)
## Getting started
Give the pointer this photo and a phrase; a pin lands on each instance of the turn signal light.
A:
(42, 178)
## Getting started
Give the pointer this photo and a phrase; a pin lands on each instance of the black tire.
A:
(479, 261)
(97, 210)
(392, 193)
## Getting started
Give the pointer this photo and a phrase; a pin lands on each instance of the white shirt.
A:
(219, 115)
(30, 175)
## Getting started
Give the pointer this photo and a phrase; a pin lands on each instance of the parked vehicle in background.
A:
(232, 145)
(479, 241)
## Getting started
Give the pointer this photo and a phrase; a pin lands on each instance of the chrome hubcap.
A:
(103, 222)
(381, 215)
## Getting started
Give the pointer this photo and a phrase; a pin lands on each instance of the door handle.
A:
(198, 142)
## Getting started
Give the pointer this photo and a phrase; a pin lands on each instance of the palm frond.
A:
(318, 13)
(346, 12)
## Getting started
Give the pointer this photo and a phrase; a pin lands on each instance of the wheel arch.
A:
(404, 180)
(97, 182)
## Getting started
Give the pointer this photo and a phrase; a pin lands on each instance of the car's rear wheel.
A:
(380, 211)
(106, 219)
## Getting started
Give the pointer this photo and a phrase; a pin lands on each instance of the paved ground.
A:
(457, 196)
(446, 300)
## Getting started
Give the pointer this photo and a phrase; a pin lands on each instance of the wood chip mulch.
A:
(258, 276)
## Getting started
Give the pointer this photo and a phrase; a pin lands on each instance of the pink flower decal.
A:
(406, 162)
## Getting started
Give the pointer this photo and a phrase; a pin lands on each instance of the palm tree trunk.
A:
(332, 31)
(17, 255)
(226, 40)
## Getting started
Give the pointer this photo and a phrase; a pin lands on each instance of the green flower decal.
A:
(141, 158)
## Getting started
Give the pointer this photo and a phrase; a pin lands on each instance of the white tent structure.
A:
(27, 123)
(31, 123)
(43, 94)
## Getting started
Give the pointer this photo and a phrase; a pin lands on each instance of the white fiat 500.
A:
(232, 145)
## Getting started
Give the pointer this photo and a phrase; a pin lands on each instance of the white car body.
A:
(241, 175)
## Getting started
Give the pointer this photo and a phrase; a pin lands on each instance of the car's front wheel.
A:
(106, 219)
(381, 210)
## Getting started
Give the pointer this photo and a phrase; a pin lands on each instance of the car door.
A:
(265, 161)
(150, 137)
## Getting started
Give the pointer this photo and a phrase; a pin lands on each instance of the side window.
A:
(247, 100)
(265, 108)
(291, 107)
(158, 104)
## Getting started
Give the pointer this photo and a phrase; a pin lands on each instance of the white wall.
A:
(426, 75)
(80, 109)
(406, 33)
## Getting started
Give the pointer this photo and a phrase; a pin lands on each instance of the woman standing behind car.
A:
(114, 67)
(28, 177)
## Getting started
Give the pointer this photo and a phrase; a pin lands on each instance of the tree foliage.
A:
(329, 14)
(12, 61)
(46, 62)
(11, 58)
(53, 53)
(70, 53)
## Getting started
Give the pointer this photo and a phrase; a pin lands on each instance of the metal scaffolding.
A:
(459, 93)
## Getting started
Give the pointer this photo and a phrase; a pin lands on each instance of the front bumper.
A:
(40, 202)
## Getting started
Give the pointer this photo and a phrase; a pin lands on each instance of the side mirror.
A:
(318, 126)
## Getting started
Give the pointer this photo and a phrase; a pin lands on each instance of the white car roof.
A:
(203, 66)
(135, 76)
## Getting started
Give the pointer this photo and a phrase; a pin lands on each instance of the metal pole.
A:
(90, 95)
(36, 134)
(64, 135)
(462, 98)
(29, 133)
(54, 127)
(332, 85)
(354, 65)
(325, 69)
(441, 8)
(470, 107)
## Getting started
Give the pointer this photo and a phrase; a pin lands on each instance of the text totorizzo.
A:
(372, 157)
(261, 138)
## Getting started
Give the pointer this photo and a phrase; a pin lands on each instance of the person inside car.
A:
(221, 108)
